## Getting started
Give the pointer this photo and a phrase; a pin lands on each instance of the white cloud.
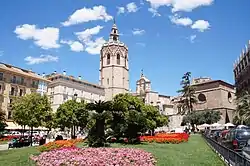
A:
(192, 38)
(131, 7)
(121, 10)
(88, 33)
(42, 59)
(75, 46)
(46, 38)
(154, 11)
(94, 46)
(88, 14)
(141, 44)
(189, 5)
(181, 21)
(201, 25)
(137, 31)
(180, 5)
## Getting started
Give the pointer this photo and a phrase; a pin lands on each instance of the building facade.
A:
(16, 82)
(242, 70)
(114, 69)
(164, 103)
(215, 95)
(63, 88)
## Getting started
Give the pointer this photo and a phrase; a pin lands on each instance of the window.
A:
(108, 81)
(202, 97)
(108, 59)
(125, 60)
(115, 38)
(22, 81)
(14, 79)
(118, 59)
(114, 31)
(9, 115)
(229, 96)
(12, 92)
(1, 76)
(21, 92)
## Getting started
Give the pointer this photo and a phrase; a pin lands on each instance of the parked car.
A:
(237, 138)
(246, 150)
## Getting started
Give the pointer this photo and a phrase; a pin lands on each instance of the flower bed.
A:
(95, 156)
(8, 138)
(174, 138)
(59, 144)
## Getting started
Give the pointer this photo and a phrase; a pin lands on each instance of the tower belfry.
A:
(114, 70)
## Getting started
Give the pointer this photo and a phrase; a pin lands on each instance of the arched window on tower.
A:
(108, 59)
(118, 59)
(125, 60)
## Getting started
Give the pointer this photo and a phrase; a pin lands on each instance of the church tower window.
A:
(107, 81)
(125, 60)
(108, 59)
(118, 59)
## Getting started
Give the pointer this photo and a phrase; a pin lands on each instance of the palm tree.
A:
(100, 113)
(188, 99)
(242, 113)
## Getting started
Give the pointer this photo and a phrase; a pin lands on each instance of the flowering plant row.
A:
(59, 144)
(95, 156)
(174, 138)
(8, 138)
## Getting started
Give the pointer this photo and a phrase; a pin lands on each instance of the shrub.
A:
(95, 156)
(58, 144)
(175, 138)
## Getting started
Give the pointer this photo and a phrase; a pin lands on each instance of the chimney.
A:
(64, 73)
(54, 72)
(79, 77)
(43, 74)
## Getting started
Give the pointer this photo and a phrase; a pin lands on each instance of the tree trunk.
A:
(31, 134)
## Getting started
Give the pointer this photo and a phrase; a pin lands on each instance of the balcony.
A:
(13, 81)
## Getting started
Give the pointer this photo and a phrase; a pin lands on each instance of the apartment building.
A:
(15, 82)
(64, 87)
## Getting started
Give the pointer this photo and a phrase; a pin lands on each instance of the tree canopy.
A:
(72, 114)
(2, 120)
(31, 110)
(242, 113)
(201, 117)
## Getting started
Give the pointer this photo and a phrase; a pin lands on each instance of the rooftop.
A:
(72, 78)
(20, 71)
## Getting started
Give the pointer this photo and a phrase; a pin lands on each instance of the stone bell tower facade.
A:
(114, 69)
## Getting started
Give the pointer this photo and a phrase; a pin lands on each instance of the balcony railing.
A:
(229, 156)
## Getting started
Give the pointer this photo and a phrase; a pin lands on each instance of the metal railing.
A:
(230, 157)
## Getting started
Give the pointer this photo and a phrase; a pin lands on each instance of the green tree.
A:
(72, 114)
(31, 110)
(188, 99)
(131, 117)
(2, 120)
(201, 117)
(100, 112)
(154, 118)
(242, 113)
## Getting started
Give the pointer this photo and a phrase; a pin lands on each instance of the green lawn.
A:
(3, 142)
(193, 153)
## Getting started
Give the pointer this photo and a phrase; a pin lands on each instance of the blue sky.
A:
(166, 38)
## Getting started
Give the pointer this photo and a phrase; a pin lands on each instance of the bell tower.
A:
(114, 69)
